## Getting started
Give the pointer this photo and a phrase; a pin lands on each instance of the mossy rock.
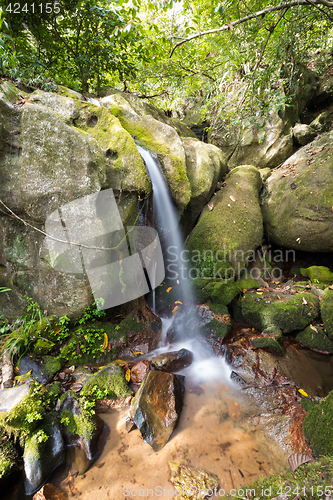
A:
(52, 365)
(247, 284)
(76, 417)
(64, 107)
(125, 167)
(158, 138)
(218, 292)
(110, 381)
(319, 274)
(9, 462)
(230, 228)
(326, 308)
(272, 312)
(217, 328)
(317, 426)
(43, 347)
(24, 418)
(316, 340)
(297, 199)
(44, 451)
(270, 343)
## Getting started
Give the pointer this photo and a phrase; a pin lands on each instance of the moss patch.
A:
(9, 460)
(315, 339)
(317, 426)
(110, 381)
(326, 308)
(319, 274)
(270, 343)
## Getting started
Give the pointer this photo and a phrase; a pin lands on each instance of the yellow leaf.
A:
(120, 362)
(136, 353)
(260, 293)
(168, 289)
(128, 375)
(106, 341)
(175, 309)
(178, 302)
(101, 367)
(303, 393)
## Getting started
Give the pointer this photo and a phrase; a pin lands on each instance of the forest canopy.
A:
(171, 49)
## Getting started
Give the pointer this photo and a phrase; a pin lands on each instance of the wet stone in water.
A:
(192, 483)
(172, 361)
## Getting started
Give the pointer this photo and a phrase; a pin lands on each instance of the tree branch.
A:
(224, 27)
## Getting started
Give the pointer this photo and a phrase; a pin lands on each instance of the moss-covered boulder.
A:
(317, 426)
(159, 138)
(42, 370)
(44, 450)
(303, 134)
(109, 381)
(230, 227)
(315, 338)
(205, 166)
(297, 199)
(125, 168)
(9, 462)
(317, 274)
(322, 122)
(270, 342)
(326, 310)
(274, 312)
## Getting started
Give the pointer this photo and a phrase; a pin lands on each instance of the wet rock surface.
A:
(50, 492)
(139, 371)
(41, 370)
(11, 397)
(173, 361)
(192, 483)
(156, 407)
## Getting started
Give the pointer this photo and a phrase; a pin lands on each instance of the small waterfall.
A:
(206, 366)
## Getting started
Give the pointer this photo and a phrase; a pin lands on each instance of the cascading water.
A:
(205, 366)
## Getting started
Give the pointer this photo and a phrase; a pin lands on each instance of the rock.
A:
(11, 397)
(50, 492)
(317, 274)
(159, 138)
(7, 370)
(325, 91)
(326, 309)
(42, 371)
(65, 107)
(322, 123)
(9, 463)
(303, 134)
(156, 407)
(273, 312)
(314, 338)
(220, 325)
(81, 430)
(44, 450)
(139, 371)
(205, 166)
(172, 361)
(301, 85)
(226, 236)
(72, 94)
(125, 169)
(192, 483)
(297, 199)
(109, 381)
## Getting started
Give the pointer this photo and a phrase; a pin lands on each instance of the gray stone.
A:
(322, 123)
(303, 134)
(11, 397)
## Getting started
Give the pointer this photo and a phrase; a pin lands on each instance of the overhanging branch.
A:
(275, 8)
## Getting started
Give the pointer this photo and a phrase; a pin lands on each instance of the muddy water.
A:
(212, 433)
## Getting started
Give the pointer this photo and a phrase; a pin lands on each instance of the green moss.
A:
(126, 169)
(271, 343)
(110, 381)
(218, 308)
(326, 308)
(317, 426)
(315, 339)
(23, 419)
(52, 365)
(314, 477)
(268, 312)
(247, 284)
(43, 347)
(218, 328)
(318, 274)
(9, 460)
(222, 292)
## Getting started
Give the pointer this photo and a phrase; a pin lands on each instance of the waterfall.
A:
(206, 365)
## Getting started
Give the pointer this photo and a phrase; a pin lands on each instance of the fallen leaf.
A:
(128, 375)
(303, 393)
(137, 353)
(106, 341)
(99, 465)
(304, 301)
(313, 328)
(175, 309)
(169, 289)
(178, 302)
(232, 198)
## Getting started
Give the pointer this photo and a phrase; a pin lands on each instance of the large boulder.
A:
(159, 138)
(156, 407)
(298, 198)
(326, 308)
(206, 165)
(230, 227)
